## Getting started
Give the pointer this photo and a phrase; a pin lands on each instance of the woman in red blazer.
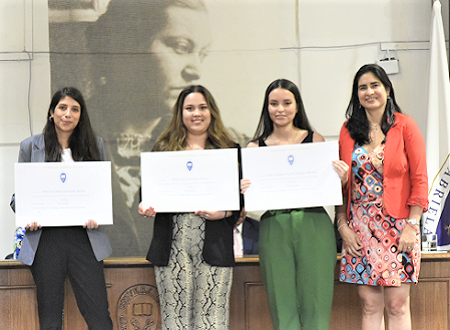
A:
(384, 199)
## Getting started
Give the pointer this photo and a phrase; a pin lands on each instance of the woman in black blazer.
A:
(193, 252)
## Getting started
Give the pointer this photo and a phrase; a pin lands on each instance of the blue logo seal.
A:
(291, 159)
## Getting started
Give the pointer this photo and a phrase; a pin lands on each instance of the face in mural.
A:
(179, 49)
(145, 53)
(170, 49)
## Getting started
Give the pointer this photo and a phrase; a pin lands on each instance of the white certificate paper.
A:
(63, 194)
(188, 181)
(291, 176)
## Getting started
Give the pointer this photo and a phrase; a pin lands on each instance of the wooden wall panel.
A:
(257, 314)
(17, 299)
(346, 310)
(134, 302)
(133, 296)
(430, 301)
(245, 274)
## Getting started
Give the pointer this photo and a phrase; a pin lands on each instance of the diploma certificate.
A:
(188, 181)
(291, 176)
(63, 194)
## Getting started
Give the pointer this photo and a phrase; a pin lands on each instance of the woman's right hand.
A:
(245, 184)
(150, 212)
(351, 241)
(33, 226)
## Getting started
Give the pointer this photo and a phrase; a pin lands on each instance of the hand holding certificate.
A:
(63, 194)
(291, 176)
(188, 181)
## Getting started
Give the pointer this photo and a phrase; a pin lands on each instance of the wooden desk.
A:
(133, 297)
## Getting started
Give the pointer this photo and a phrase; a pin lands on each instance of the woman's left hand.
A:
(91, 224)
(341, 169)
(407, 239)
(33, 226)
(212, 215)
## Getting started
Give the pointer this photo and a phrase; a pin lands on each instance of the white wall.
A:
(350, 34)
(24, 90)
(327, 40)
(323, 43)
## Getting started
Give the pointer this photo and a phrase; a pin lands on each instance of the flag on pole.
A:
(437, 219)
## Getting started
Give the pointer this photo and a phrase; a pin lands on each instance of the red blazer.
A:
(405, 169)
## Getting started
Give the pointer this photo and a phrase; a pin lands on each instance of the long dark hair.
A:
(174, 137)
(265, 125)
(82, 141)
(358, 124)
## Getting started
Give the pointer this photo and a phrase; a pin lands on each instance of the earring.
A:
(391, 102)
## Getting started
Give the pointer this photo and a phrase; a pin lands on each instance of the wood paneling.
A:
(134, 303)
(17, 297)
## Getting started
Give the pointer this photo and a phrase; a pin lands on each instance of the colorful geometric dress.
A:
(380, 264)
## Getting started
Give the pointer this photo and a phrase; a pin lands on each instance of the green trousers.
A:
(298, 257)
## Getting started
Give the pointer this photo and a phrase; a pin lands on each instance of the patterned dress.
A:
(380, 264)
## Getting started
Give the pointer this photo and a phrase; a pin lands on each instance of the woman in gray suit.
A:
(54, 253)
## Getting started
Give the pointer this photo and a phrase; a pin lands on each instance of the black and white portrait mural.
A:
(131, 58)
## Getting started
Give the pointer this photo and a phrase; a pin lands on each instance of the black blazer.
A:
(250, 236)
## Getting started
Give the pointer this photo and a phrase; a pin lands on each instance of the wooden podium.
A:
(134, 304)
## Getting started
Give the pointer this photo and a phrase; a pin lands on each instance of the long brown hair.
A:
(174, 136)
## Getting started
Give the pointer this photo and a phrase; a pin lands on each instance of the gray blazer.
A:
(33, 150)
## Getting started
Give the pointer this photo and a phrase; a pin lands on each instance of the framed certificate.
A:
(188, 181)
(63, 194)
(291, 176)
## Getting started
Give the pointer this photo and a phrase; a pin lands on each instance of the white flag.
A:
(438, 126)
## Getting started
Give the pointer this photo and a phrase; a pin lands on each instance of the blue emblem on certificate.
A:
(189, 165)
(63, 177)
(291, 159)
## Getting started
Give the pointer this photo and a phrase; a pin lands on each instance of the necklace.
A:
(194, 147)
(375, 138)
